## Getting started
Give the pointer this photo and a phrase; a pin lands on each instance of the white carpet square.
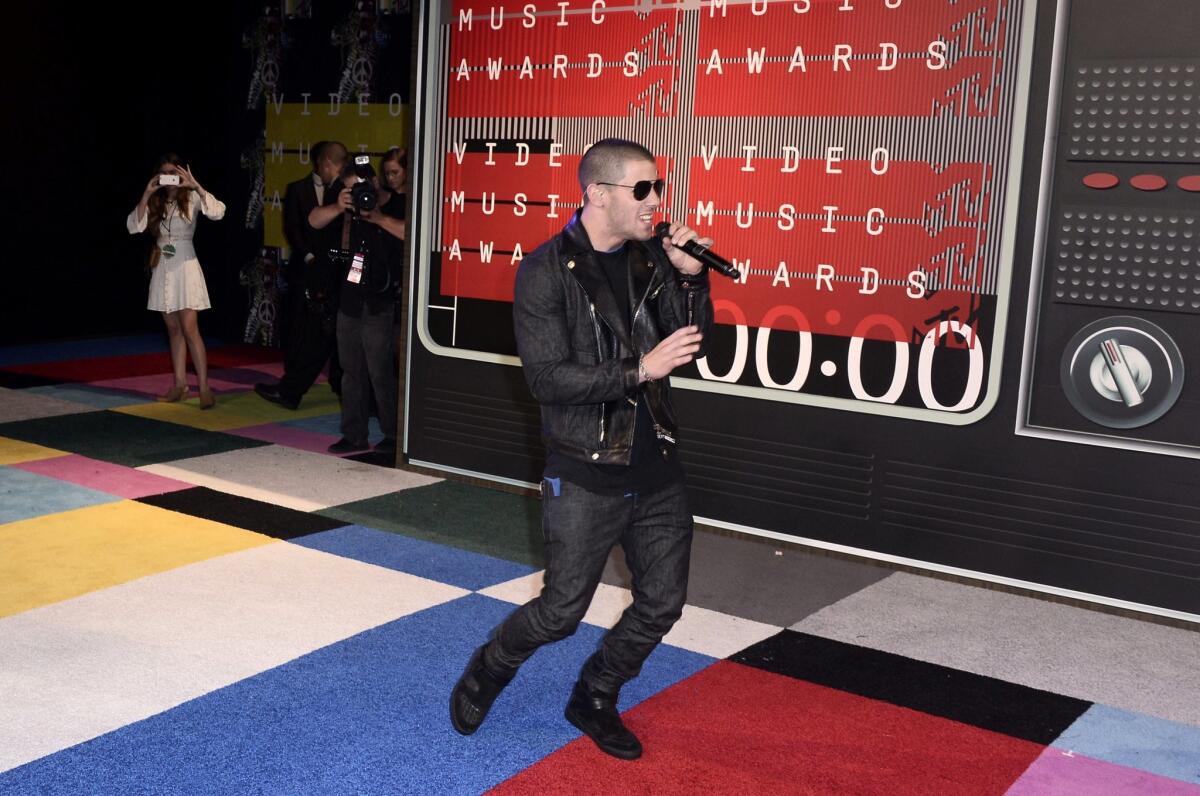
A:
(1117, 661)
(76, 669)
(288, 477)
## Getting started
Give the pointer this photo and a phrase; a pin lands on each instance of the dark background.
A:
(96, 96)
(95, 93)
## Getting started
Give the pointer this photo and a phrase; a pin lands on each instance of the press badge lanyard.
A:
(354, 275)
(168, 249)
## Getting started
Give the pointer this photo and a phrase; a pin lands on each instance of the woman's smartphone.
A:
(168, 179)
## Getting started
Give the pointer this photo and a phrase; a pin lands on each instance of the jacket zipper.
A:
(599, 356)
(642, 303)
(659, 431)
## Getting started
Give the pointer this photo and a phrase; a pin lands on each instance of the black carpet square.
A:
(19, 381)
(124, 439)
(985, 702)
(377, 458)
(242, 512)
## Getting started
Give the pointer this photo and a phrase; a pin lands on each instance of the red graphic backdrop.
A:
(871, 211)
(854, 85)
(544, 92)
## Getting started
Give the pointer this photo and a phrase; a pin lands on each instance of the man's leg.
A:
(657, 544)
(580, 529)
(312, 347)
(379, 342)
(355, 384)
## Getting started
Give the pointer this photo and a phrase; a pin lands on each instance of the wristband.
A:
(642, 368)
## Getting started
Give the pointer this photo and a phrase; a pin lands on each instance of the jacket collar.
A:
(577, 248)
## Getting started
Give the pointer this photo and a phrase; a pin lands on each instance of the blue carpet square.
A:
(99, 397)
(24, 495)
(332, 424)
(367, 715)
(416, 557)
(1137, 741)
(35, 353)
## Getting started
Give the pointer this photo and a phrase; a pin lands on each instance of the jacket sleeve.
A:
(544, 344)
(295, 225)
(681, 295)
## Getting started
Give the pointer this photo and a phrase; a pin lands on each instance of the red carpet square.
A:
(736, 729)
(116, 367)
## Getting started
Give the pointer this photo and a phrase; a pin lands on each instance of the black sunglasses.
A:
(641, 188)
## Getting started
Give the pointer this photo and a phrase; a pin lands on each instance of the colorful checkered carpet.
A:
(206, 602)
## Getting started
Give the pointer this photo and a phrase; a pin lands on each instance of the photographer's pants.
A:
(580, 529)
(367, 352)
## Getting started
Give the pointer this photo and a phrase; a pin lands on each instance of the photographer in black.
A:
(371, 257)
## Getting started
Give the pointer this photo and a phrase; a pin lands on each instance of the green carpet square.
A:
(471, 518)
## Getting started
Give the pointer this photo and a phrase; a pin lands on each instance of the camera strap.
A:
(346, 221)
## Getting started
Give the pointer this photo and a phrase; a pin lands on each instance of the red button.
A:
(1148, 182)
(1101, 180)
(1189, 183)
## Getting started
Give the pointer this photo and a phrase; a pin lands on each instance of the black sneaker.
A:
(386, 445)
(344, 445)
(595, 715)
(474, 694)
(270, 392)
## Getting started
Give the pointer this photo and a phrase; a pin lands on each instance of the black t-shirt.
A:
(653, 463)
(382, 263)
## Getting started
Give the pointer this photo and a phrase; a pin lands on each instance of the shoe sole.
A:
(621, 755)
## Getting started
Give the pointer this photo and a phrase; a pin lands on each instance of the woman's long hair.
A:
(156, 207)
(400, 155)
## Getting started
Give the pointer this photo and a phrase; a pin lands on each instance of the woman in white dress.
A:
(168, 210)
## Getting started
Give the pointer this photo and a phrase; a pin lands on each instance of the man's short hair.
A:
(327, 149)
(605, 161)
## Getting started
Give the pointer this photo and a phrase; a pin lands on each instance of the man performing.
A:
(603, 313)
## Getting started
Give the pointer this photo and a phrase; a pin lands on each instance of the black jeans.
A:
(367, 352)
(581, 528)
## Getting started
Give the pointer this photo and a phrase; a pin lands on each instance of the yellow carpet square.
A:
(237, 410)
(59, 556)
(14, 451)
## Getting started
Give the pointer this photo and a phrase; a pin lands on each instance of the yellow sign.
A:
(292, 129)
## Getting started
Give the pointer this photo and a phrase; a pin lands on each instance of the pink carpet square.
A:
(223, 380)
(114, 479)
(1056, 772)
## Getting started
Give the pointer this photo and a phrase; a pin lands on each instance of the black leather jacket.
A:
(580, 360)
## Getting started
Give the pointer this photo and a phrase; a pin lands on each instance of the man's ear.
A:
(596, 194)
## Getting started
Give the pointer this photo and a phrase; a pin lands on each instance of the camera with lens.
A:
(362, 193)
